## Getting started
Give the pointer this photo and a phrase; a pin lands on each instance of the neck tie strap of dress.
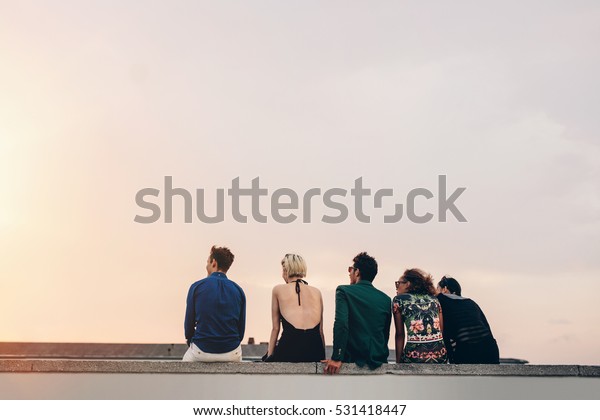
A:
(298, 288)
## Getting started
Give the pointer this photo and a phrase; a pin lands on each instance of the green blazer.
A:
(361, 329)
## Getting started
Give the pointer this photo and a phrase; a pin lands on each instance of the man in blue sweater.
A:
(215, 316)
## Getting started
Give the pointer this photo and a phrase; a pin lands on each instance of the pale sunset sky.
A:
(99, 99)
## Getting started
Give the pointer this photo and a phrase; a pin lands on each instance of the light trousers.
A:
(194, 354)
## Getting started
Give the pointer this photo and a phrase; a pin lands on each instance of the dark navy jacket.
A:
(215, 316)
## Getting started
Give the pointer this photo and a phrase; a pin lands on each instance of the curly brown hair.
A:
(421, 283)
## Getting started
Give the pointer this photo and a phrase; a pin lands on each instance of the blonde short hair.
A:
(294, 265)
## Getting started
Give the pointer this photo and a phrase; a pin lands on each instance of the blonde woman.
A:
(299, 308)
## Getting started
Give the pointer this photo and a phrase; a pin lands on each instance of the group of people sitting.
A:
(433, 325)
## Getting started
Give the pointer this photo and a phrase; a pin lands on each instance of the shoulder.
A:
(471, 303)
(343, 289)
(347, 288)
(230, 284)
(408, 299)
(278, 288)
(403, 297)
(380, 299)
(383, 295)
(450, 299)
(237, 286)
(313, 289)
(197, 283)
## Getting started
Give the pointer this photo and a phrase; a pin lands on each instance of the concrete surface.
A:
(168, 366)
(52, 379)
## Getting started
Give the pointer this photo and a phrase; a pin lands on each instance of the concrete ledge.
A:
(178, 367)
(153, 366)
(491, 370)
(593, 371)
(41, 379)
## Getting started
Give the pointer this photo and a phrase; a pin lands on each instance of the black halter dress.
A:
(297, 345)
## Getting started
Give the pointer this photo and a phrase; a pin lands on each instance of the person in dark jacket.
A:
(467, 334)
(363, 315)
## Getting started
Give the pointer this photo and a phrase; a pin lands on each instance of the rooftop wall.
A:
(131, 379)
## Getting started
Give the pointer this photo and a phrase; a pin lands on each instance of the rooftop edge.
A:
(250, 368)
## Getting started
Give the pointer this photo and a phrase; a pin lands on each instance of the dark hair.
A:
(421, 283)
(452, 285)
(366, 265)
(223, 256)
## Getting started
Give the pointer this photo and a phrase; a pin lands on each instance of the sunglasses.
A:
(399, 282)
(351, 268)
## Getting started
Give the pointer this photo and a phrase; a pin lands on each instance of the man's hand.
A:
(331, 366)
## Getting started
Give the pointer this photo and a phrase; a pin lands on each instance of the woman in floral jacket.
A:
(417, 309)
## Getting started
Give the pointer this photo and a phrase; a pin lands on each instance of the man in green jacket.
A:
(363, 316)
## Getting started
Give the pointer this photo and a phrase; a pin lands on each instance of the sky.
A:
(100, 99)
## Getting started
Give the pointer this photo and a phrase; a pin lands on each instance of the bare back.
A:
(304, 316)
